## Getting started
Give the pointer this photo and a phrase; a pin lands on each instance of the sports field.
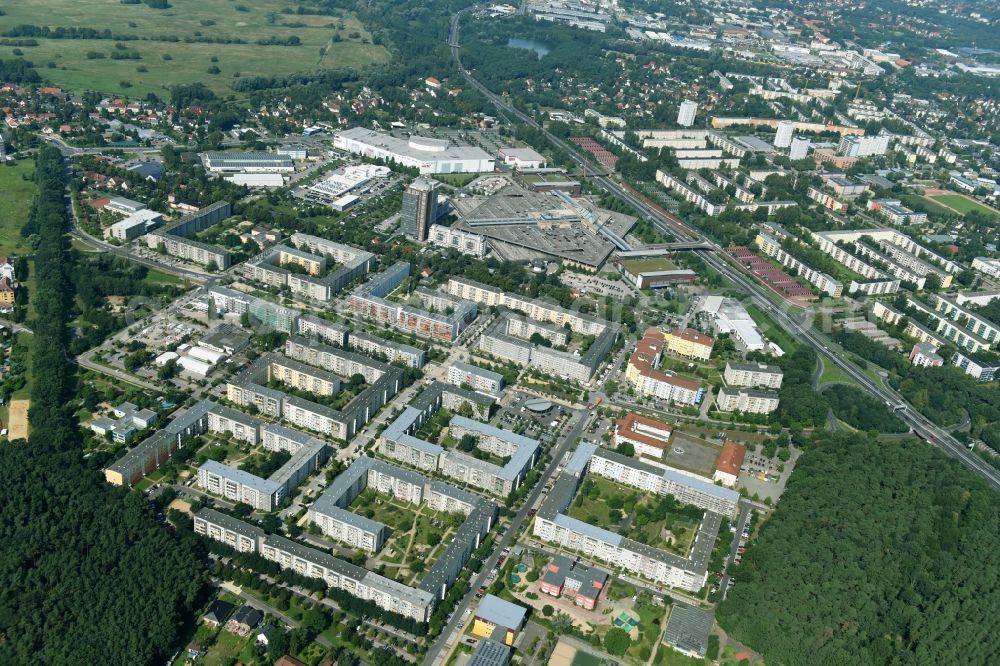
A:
(18, 426)
(158, 37)
(963, 204)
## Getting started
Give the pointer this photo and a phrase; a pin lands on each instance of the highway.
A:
(921, 425)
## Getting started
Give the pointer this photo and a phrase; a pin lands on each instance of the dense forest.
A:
(877, 554)
(87, 575)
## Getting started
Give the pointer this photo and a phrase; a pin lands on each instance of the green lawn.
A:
(832, 373)
(159, 277)
(248, 21)
(226, 648)
(17, 195)
(635, 266)
(458, 179)
(964, 204)
(770, 329)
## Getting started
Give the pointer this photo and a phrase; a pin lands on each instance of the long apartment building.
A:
(643, 373)
(440, 316)
(321, 267)
(330, 514)
(399, 443)
(973, 322)
(299, 368)
(465, 242)
(506, 339)
(310, 325)
(488, 295)
(827, 200)
(860, 261)
(330, 511)
(748, 401)
(336, 573)
(688, 573)
(689, 343)
(157, 449)
(753, 374)
(684, 486)
(771, 246)
(176, 237)
(262, 494)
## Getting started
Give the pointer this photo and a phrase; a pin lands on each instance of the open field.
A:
(17, 195)
(963, 204)
(185, 19)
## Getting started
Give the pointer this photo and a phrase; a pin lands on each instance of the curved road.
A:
(674, 226)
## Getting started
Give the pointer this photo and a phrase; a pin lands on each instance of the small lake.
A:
(517, 43)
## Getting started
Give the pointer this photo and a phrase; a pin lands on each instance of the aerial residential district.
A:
(568, 332)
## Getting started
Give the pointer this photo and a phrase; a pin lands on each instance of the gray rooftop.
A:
(526, 446)
(673, 475)
(500, 612)
(227, 522)
(234, 415)
(265, 486)
(580, 459)
(688, 628)
(445, 150)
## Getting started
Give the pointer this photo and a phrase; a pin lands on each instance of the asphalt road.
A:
(674, 226)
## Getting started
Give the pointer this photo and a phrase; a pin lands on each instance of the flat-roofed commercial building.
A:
(427, 155)
(753, 374)
(249, 162)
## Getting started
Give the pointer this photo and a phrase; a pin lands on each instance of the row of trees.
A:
(86, 574)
